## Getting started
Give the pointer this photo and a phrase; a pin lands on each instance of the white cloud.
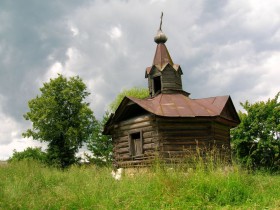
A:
(115, 33)
(8, 128)
(157, 1)
(97, 101)
(262, 15)
(270, 79)
(10, 135)
(69, 68)
(74, 30)
(55, 69)
(275, 38)
(255, 15)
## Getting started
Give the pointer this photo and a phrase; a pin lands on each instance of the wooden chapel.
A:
(168, 124)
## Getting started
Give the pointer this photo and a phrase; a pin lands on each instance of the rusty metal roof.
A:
(161, 59)
(162, 56)
(179, 105)
(176, 105)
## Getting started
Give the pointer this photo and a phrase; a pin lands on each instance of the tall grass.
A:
(30, 185)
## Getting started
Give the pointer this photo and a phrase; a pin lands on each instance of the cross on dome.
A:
(160, 36)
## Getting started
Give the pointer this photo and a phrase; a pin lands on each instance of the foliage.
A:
(136, 92)
(39, 187)
(29, 154)
(100, 145)
(62, 118)
(256, 141)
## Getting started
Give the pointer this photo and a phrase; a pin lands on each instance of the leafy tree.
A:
(256, 141)
(101, 145)
(136, 92)
(29, 154)
(62, 118)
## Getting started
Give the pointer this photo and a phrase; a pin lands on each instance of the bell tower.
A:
(163, 76)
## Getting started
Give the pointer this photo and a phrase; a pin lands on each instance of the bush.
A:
(256, 141)
(29, 154)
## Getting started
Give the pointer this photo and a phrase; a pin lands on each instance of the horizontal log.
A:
(171, 127)
(149, 146)
(186, 138)
(135, 125)
(185, 133)
(122, 157)
(206, 142)
(221, 132)
(124, 132)
(220, 126)
(149, 134)
(122, 145)
(129, 157)
(218, 130)
(122, 139)
(148, 140)
(178, 147)
(177, 120)
(140, 119)
(122, 150)
(150, 152)
(146, 135)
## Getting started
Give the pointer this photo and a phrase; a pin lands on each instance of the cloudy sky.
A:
(229, 47)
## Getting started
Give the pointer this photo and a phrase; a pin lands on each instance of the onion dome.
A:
(160, 36)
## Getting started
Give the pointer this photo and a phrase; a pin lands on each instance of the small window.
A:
(135, 144)
(157, 84)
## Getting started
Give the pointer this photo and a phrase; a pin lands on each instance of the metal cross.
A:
(160, 20)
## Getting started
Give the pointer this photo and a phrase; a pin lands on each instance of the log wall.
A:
(145, 124)
(168, 138)
(184, 136)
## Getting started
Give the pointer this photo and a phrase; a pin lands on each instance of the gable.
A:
(126, 110)
(229, 112)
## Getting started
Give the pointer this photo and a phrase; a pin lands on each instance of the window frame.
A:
(131, 143)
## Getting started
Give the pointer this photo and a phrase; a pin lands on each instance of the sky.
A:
(229, 47)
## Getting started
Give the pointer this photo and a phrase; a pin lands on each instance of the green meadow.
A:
(31, 185)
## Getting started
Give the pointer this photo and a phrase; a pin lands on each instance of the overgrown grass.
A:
(30, 185)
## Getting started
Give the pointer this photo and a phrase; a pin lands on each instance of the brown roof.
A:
(161, 59)
(162, 56)
(178, 105)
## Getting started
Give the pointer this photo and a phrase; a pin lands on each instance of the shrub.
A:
(29, 154)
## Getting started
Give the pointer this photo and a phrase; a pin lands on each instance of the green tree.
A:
(136, 92)
(62, 118)
(29, 154)
(101, 145)
(256, 141)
